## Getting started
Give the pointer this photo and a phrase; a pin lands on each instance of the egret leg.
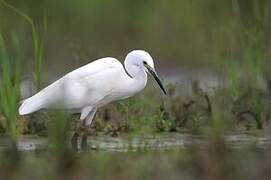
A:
(77, 137)
(74, 141)
(86, 123)
(84, 142)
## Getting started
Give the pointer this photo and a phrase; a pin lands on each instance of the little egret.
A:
(94, 85)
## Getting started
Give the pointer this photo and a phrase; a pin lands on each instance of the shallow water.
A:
(156, 142)
(172, 140)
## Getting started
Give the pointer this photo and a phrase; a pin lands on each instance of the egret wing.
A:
(91, 89)
(82, 87)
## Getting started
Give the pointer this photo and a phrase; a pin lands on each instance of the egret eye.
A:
(144, 62)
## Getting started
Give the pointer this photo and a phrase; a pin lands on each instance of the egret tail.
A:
(32, 104)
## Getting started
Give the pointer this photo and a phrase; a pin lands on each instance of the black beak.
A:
(154, 74)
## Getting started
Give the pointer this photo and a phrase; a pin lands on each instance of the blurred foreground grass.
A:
(215, 160)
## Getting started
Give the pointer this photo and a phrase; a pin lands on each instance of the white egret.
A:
(94, 85)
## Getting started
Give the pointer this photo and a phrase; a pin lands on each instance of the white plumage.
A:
(94, 85)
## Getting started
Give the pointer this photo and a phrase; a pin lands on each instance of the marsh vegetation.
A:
(217, 129)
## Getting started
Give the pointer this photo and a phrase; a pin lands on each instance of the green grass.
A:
(37, 39)
(11, 68)
(58, 131)
(11, 71)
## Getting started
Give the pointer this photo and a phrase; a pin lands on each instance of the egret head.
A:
(143, 60)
